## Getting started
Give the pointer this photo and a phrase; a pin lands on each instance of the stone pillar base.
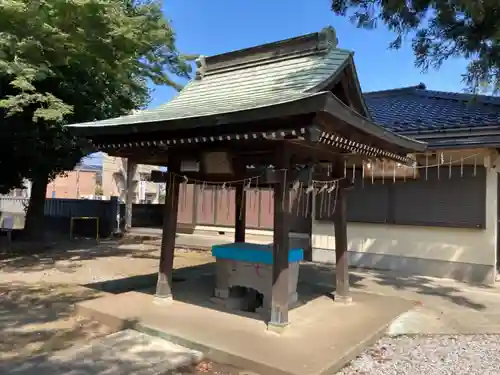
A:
(277, 328)
(221, 293)
(163, 289)
(168, 300)
(342, 299)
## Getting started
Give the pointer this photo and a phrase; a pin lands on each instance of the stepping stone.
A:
(125, 352)
(419, 321)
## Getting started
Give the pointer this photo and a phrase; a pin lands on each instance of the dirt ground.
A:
(38, 292)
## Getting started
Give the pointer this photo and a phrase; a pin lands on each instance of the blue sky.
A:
(217, 26)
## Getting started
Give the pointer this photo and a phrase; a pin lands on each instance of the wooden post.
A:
(281, 247)
(130, 190)
(240, 213)
(171, 206)
(342, 293)
(308, 252)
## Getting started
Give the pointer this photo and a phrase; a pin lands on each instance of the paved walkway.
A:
(444, 306)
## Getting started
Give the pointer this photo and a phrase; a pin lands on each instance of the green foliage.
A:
(67, 61)
(98, 190)
(439, 30)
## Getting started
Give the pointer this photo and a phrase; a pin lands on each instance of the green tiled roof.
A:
(253, 78)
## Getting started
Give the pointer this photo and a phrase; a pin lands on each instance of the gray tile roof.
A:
(251, 84)
(414, 109)
(284, 78)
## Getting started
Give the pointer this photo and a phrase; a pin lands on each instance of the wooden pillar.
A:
(129, 193)
(342, 293)
(240, 213)
(281, 247)
(308, 252)
(171, 205)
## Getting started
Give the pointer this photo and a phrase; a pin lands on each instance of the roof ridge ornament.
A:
(328, 38)
(201, 67)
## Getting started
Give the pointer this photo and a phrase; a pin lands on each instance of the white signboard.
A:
(142, 191)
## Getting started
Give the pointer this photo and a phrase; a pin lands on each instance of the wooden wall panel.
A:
(205, 207)
(186, 204)
(224, 211)
(266, 209)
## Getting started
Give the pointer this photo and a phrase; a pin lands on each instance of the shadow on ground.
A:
(31, 257)
(37, 257)
(195, 285)
(419, 285)
(36, 322)
(67, 256)
(96, 361)
(38, 318)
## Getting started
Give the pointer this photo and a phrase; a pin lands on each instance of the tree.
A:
(98, 190)
(439, 29)
(71, 61)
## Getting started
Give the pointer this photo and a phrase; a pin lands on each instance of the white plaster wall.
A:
(431, 251)
(114, 172)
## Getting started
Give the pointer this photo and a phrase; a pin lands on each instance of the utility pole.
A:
(77, 184)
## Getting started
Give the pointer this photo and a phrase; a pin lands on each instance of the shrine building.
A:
(351, 176)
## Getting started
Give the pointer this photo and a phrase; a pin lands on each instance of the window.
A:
(144, 176)
(443, 199)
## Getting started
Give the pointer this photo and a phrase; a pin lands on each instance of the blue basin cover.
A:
(253, 253)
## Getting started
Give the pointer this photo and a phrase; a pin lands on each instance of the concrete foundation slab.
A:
(322, 338)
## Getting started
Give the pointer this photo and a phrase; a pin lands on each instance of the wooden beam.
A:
(259, 176)
(314, 151)
(342, 293)
(345, 84)
(308, 255)
(170, 209)
(281, 246)
(197, 177)
(141, 155)
(240, 213)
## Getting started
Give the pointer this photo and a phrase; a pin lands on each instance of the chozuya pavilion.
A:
(285, 115)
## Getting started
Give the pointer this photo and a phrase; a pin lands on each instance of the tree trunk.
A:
(34, 224)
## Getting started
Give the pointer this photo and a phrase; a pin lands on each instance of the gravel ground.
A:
(430, 355)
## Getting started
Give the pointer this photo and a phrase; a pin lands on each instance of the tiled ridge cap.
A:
(397, 91)
(456, 96)
(422, 91)
(313, 43)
